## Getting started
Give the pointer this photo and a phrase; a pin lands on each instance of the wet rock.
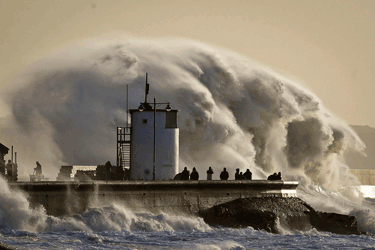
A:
(269, 213)
(5, 247)
(334, 223)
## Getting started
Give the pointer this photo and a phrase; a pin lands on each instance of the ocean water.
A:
(114, 226)
(211, 238)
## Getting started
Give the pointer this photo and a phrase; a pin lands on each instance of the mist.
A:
(234, 112)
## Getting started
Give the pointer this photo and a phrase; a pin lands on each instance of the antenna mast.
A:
(127, 105)
(147, 88)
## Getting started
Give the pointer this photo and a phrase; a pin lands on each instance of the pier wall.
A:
(66, 198)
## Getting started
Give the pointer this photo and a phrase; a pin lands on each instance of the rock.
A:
(266, 213)
(334, 223)
(5, 247)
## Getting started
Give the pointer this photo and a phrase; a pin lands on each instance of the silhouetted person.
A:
(185, 174)
(269, 178)
(279, 176)
(237, 174)
(177, 176)
(224, 175)
(100, 172)
(194, 175)
(210, 172)
(108, 167)
(38, 169)
(248, 175)
(120, 173)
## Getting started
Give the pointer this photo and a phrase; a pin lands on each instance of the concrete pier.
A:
(66, 198)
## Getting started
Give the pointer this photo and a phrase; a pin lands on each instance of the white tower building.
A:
(154, 146)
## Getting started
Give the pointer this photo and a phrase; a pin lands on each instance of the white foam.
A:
(234, 113)
(15, 212)
(368, 191)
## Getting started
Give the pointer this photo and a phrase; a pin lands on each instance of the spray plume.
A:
(234, 112)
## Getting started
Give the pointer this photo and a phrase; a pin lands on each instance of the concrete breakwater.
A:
(66, 198)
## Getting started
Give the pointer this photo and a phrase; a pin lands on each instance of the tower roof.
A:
(131, 111)
(3, 149)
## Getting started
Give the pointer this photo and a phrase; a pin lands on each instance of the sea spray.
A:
(94, 196)
(365, 215)
(116, 217)
(234, 113)
(117, 227)
(15, 212)
(72, 202)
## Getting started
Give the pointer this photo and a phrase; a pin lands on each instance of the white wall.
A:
(142, 146)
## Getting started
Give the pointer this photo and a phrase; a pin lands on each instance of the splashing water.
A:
(365, 218)
(116, 227)
(15, 213)
(234, 114)
(118, 218)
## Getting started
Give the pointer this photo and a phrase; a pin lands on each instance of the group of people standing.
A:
(240, 176)
(185, 175)
(274, 177)
(224, 175)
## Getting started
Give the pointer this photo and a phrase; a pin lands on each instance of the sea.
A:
(113, 226)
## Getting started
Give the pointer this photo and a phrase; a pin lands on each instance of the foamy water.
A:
(114, 226)
(163, 231)
(215, 239)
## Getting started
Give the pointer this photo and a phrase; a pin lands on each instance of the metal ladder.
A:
(123, 147)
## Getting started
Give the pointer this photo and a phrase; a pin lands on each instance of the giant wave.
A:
(235, 113)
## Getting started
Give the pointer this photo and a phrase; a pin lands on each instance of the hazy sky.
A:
(327, 46)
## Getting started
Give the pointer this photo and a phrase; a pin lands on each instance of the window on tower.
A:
(171, 120)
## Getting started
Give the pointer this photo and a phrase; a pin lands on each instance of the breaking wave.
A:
(235, 113)
(16, 217)
(119, 218)
(15, 213)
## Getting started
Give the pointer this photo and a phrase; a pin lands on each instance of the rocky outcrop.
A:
(5, 247)
(268, 213)
(334, 223)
